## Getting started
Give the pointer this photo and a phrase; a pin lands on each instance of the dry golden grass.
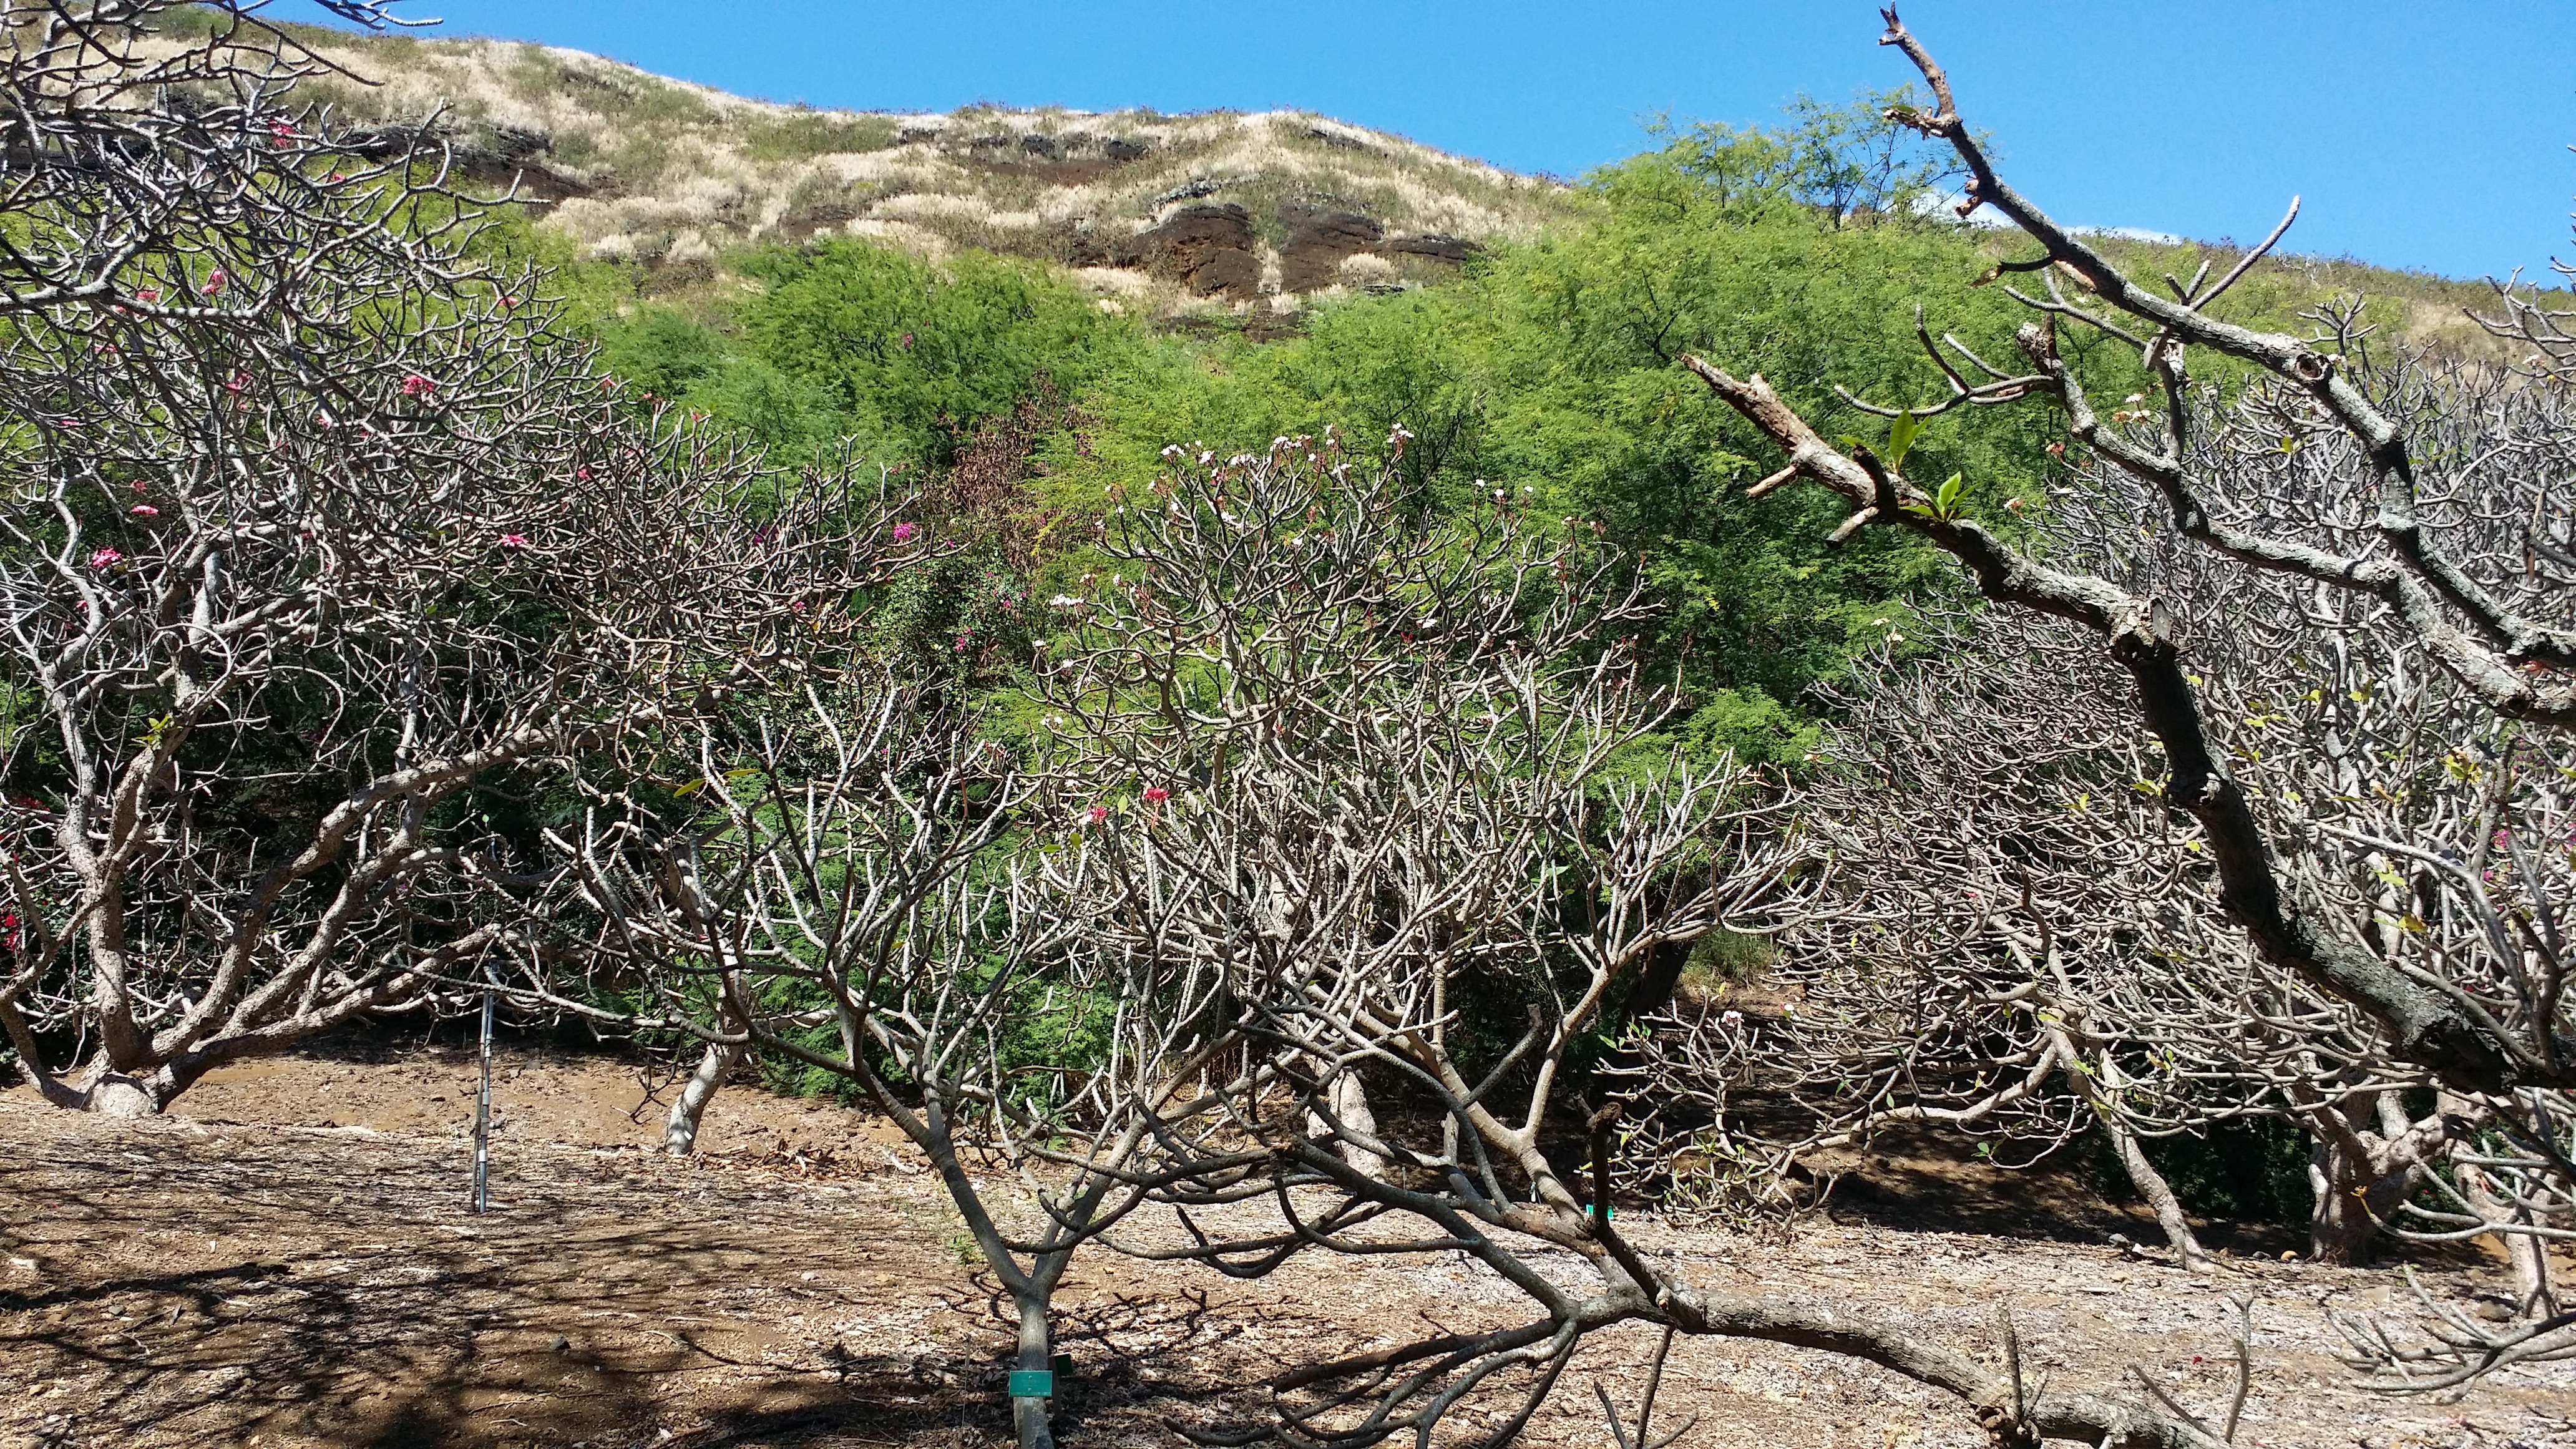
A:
(650, 169)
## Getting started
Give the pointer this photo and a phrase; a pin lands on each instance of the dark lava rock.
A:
(1319, 242)
(1208, 248)
(1432, 245)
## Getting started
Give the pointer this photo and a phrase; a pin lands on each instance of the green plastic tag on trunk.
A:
(1032, 1384)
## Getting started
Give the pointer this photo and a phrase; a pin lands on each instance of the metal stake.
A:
(483, 1118)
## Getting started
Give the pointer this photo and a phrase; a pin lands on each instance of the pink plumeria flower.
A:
(147, 294)
(1156, 794)
(416, 385)
(1098, 813)
(104, 557)
(67, 422)
(214, 283)
(144, 510)
(514, 540)
(903, 532)
(1733, 1019)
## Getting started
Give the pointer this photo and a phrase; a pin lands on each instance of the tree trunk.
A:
(2159, 1194)
(2353, 1197)
(1029, 1412)
(1351, 1104)
(2533, 1294)
(681, 1135)
(1663, 974)
(115, 1094)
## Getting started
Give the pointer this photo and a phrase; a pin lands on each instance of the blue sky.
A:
(2430, 134)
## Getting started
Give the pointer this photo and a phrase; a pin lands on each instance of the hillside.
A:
(1171, 215)
(1220, 209)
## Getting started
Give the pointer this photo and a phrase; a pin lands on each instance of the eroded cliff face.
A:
(1217, 251)
(1219, 209)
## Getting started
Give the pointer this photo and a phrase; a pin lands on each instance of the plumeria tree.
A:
(1401, 791)
(2391, 544)
(853, 880)
(321, 550)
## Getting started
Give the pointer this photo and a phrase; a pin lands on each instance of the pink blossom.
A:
(416, 385)
(514, 540)
(144, 510)
(1733, 1018)
(147, 294)
(214, 283)
(903, 532)
(104, 557)
(1156, 794)
(1098, 813)
(961, 642)
(67, 422)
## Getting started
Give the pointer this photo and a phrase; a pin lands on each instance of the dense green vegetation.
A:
(1546, 375)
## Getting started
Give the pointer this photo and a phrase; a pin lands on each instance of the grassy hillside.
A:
(671, 175)
(676, 177)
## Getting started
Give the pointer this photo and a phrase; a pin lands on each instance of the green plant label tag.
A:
(1032, 1384)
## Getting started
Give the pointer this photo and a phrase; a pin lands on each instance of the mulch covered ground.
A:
(240, 1273)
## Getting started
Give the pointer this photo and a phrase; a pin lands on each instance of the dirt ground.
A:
(288, 1260)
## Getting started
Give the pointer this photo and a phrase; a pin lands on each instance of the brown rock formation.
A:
(1207, 248)
(1319, 242)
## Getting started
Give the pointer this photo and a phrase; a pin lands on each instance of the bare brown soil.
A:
(288, 1260)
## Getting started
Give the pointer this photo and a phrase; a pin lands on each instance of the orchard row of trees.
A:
(370, 647)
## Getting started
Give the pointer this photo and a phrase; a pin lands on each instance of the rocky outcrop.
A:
(1213, 250)
(1433, 245)
(1319, 242)
(1206, 248)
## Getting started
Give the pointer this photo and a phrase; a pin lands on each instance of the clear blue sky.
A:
(2430, 133)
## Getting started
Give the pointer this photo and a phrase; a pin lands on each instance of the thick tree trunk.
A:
(1037, 1355)
(680, 1136)
(2353, 1197)
(115, 1094)
(2159, 1194)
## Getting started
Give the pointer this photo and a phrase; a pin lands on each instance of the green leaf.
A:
(1901, 434)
